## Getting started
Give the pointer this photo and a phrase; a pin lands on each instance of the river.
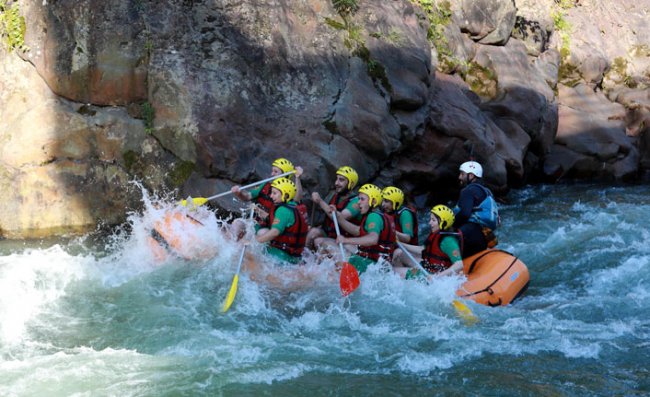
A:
(98, 317)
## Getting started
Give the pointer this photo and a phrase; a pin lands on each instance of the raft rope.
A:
(488, 289)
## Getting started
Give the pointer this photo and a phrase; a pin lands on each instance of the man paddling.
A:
(288, 231)
(375, 236)
(344, 200)
(441, 252)
(261, 195)
(406, 223)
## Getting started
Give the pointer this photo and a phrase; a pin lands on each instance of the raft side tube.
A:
(494, 278)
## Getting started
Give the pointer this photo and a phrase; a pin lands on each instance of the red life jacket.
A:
(386, 243)
(433, 259)
(328, 225)
(398, 224)
(292, 240)
(267, 204)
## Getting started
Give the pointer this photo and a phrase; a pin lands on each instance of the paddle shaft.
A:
(250, 185)
(411, 257)
(460, 307)
(338, 234)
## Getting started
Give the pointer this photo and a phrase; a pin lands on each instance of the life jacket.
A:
(398, 224)
(486, 213)
(267, 204)
(433, 259)
(386, 242)
(292, 240)
(328, 225)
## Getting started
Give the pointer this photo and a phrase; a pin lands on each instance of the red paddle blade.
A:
(349, 279)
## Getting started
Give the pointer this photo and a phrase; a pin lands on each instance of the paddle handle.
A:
(338, 233)
(251, 185)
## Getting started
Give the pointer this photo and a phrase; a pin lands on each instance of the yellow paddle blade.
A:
(231, 294)
(464, 312)
(198, 201)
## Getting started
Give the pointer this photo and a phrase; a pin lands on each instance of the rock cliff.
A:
(199, 95)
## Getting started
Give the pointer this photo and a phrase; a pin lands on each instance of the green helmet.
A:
(283, 164)
(350, 174)
(394, 195)
(373, 192)
(286, 187)
(445, 216)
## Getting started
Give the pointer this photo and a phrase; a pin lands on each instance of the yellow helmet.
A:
(394, 195)
(350, 174)
(373, 192)
(445, 216)
(286, 187)
(283, 164)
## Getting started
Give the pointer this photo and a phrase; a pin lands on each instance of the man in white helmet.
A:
(476, 214)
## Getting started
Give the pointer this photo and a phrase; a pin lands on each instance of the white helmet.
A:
(472, 167)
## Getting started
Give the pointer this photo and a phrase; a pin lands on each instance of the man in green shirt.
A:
(261, 196)
(405, 218)
(344, 200)
(375, 236)
(288, 231)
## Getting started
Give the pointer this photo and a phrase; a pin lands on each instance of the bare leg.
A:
(313, 234)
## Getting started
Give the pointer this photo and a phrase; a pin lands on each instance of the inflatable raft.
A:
(494, 278)
(178, 234)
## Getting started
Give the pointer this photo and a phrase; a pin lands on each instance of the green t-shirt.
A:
(406, 222)
(374, 223)
(256, 192)
(352, 206)
(284, 217)
(449, 245)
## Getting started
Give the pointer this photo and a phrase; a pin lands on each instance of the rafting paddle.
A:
(349, 280)
(460, 307)
(233, 287)
(235, 280)
(202, 200)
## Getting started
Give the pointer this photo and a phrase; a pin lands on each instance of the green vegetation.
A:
(148, 114)
(12, 26)
(181, 172)
(377, 72)
(563, 28)
(565, 4)
(618, 72)
(335, 24)
(354, 41)
(345, 7)
(481, 80)
(439, 16)
(568, 74)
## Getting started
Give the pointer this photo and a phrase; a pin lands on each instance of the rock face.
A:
(200, 95)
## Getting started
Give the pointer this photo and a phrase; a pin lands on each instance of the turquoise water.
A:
(82, 318)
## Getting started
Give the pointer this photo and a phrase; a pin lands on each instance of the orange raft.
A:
(494, 278)
(177, 234)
